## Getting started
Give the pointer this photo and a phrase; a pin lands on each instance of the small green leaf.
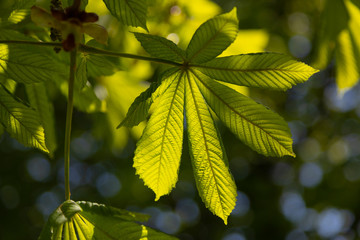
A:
(21, 121)
(129, 12)
(38, 98)
(88, 221)
(258, 127)
(265, 70)
(160, 47)
(213, 37)
(139, 109)
(213, 179)
(158, 152)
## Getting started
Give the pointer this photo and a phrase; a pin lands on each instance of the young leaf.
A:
(38, 98)
(158, 152)
(21, 121)
(139, 109)
(258, 127)
(87, 221)
(213, 37)
(160, 47)
(129, 12)
(213, 179)
(265, 70)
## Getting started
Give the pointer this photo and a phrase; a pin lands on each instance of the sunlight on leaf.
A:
(258, 127)
(213, 179)
(265, 70)
(21, 121)
(39, 100)
(347, 52)
(213, 37)
(158, 152)
(87, 221)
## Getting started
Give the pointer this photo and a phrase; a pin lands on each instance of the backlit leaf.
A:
(28, 64)
(160, 47)
(129, 12)
(265, 70)
(158, 152)
(213, 179)
(347, 53)
(213, 37)
(139, 109)
(21, 121)
(87, 221)
(38, 98)
(258, 127)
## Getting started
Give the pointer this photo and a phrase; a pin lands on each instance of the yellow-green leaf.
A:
(38, 98)
(347, 53)
(213, 179)
(139, 109)
(21, 121)
(213, 37)
(158, 152)
(257, 126)
(265, 70)
(88, 221)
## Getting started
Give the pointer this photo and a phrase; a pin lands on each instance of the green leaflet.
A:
(100, 66)
(347, 53)
(97, 65)
(213, 37)
(158, 152)
(139, 109)
(160, 47)
(21, 121)
(265, 70)
(28, 64)
(213, 179)
(87, 221)
(258, 127)
(129, 12)
(38, 98)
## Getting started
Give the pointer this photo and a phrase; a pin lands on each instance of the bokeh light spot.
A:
(38, 168)
(108, 185)
(299, 46)
(310, 175)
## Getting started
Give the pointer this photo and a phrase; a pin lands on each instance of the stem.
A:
(92, 50)
(68, 124)
(20, 42)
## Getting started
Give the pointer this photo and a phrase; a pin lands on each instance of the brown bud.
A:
(69, 43)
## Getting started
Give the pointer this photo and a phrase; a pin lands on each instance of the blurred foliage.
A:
(315, 196)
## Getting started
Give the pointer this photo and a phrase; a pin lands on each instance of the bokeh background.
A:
(313, 196)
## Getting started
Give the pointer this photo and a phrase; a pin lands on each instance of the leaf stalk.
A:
(69, 114)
